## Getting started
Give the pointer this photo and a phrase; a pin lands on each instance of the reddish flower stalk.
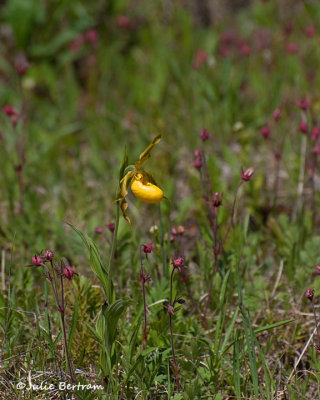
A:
(144, 277)
(178, 264)
(212, 208)
(51, 274)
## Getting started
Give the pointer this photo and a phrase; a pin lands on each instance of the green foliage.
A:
(110, 75)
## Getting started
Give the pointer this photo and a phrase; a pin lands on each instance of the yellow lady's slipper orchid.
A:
(142, 184)
(146, 191)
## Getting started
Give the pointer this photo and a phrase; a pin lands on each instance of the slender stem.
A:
(171, 310)
(171, 283)
(114, 239)
(112, 253)
(233, 211)
(165, 269)
(276, 186)
(62, 309)
(218, 246)
(175, 365)
(142, 278)
(316, 321)
(214, 269)
(300, 188)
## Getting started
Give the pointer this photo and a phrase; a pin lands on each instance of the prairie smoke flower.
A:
(68, 273)
(247, 174)
(111, 226)
(204, 135)
(303, 104)
(303, 127)
(276, 114)
(178, 263)
(309, 294)
(315, 133)
(48, 255)
(148, 248)
(265, 131)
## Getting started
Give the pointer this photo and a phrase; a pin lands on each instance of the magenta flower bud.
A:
(148, 248)
(247, 174)
(309, 294)
(111, 226)
(245, 49)
(199, 59)
(197, 163)
(277, 156)
(68, 273)
(303, 104)
(265, 131)
(216, 199)
(48, 255)
(310, 31)
(204, 135)
(21, 64)
(10, 111)
(178, 263)
(315, 133)
(37, 261)
(303, 127)
(276, 114)
(197, 153)
(317, 268)
(98, 230)
(291, 48)
(316, 150)
(124, 22)
(91, 36)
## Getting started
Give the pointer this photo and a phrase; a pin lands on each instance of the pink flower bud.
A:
(68, 273)
(309, 294)
(98, 230)
(124, 22)
(265, 131)
(310, 31)
(303, 104)
(178, 263)
(276, 114)
(10, 111)
(316, 150)
(197, 163)
(199, 59)
(37, 261)
(204, 135)
(245, 49)
(315, 133)
(148, 248)
(111, 226)
(21, 64)
(247, 174)
(48, 255)
(197, 153)
(303, 127)
(91, 36)
(291, 48)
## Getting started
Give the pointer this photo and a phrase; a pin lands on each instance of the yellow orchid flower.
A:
(142, 184)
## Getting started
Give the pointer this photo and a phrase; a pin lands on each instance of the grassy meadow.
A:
(210, 292)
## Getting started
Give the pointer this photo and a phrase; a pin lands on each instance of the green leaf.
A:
(73, 323)
(96, 264)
